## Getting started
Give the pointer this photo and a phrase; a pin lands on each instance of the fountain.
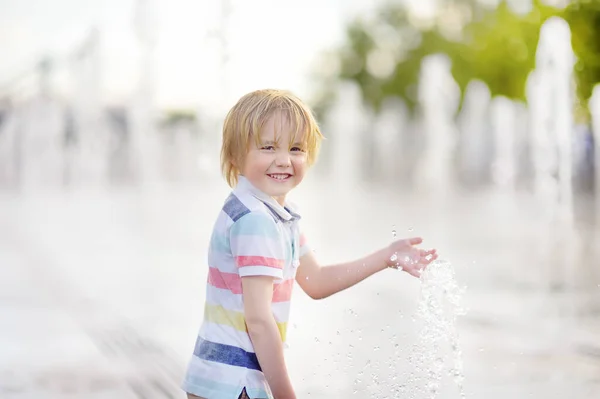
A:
(474, 124)
(438, 101)
(217, 108)
(504, 165)
(550, 95)
(437, 351)
(552, 115)
(346, 122)
(8, 148)
(143, 136)
(37, 138)
(88, 155)
(594, 105)
(387, 130)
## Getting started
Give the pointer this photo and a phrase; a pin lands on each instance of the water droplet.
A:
(307, 277)
(394, 231)
(376, 348)
(410, 229)
(436, 313)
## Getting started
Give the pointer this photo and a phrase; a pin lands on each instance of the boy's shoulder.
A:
(238, 205)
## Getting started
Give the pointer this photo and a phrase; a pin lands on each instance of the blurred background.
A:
(472, 123)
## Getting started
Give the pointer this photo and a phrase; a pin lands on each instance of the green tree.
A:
(496, 46)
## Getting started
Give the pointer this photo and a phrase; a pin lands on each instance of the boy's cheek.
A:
(301, 159)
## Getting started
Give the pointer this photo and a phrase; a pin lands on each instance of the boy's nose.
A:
(282, 158)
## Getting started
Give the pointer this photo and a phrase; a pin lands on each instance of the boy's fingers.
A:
(427, 253)
(414, 273)
(415, 240)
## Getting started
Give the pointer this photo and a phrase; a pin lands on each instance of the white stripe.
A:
(222, 223)
(224, 373)
(235, 302)
(249, 200)
(225, 298)
(223, 262)
(281, 311)
(247, 271)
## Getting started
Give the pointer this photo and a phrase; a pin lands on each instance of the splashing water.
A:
(437, 348)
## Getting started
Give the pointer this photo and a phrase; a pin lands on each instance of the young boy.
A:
(270, 138)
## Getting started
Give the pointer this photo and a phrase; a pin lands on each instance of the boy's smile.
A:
(277, 163)
(279, 176)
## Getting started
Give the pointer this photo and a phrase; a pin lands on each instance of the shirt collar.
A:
(284, 213)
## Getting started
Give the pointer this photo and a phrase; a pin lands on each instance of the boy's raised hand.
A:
(403, 254)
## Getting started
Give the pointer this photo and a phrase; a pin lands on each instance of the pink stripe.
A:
(226, 281)
(242, 261)
(282, 292)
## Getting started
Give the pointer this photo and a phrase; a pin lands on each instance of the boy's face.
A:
(276, 164)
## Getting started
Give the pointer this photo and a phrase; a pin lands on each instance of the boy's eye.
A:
(297, 149)
(267, 147)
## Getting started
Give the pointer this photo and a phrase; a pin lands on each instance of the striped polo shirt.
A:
(253, 236)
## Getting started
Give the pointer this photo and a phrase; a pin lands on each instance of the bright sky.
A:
(273, 43)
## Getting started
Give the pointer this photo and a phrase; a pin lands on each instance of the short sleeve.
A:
(256, 246)
(304, 247)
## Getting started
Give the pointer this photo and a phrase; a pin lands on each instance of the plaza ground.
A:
(101, 294)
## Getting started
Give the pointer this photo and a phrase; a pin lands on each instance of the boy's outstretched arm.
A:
(263, 331)
(322, 281)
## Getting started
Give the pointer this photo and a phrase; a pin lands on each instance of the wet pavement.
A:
(101, 294)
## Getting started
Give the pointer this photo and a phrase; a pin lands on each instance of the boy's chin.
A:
(279, 192)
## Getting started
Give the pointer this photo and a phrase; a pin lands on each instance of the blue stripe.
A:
(255, 224)
(234, 208)
(220, 243)
(206, 388)
(226, 354)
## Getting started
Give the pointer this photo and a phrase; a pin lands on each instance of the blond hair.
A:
(248, 116)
